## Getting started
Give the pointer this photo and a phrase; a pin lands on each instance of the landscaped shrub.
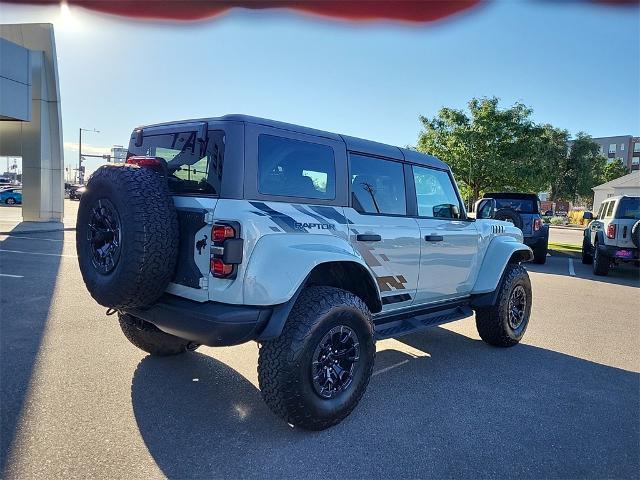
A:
(558, 220)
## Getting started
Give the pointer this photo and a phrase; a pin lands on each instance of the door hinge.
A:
(208, 217)
(204, 283)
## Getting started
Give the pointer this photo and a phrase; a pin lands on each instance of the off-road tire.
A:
(149, 236)
(492, 322)
(540, 253)
(587, 257)
(600, 262)
(509, 214)
(284, 364)
(151, 339)
(635, 234)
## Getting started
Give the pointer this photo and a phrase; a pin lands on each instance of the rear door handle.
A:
(433, 238)
(368, 237)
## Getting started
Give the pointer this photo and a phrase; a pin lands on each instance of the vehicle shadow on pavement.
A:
(25, 300)
(462, 410)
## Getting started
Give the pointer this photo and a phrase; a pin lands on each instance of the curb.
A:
(566, 227)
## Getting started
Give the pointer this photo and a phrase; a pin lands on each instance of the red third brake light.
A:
(219, 233)
(611, 230)
(143, 161)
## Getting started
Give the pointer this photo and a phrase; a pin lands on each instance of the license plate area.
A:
(624, 254)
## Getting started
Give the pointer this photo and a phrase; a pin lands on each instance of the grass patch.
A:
(566, 248)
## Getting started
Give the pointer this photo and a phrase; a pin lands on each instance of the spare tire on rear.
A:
(509, 215)
(126, 236)
(635, 234)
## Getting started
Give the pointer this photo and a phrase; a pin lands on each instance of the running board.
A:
(421, 320)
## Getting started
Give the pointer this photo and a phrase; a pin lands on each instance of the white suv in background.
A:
(613, 235)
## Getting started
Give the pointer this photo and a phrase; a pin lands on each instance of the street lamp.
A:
(80, 169)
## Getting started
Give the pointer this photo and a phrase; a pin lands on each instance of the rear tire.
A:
(151, 339)
(600, 262)
(587, 258)
(509, 215)
(540, 253)
(291, 368)
(504, 323)
(10, 201)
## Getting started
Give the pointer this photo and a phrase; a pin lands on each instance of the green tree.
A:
(573, 175)
(488, 148)
(613, 170)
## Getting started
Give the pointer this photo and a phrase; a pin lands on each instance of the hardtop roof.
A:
(353, 144)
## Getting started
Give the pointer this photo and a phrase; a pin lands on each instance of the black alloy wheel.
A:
(104, 236)
(334, 361)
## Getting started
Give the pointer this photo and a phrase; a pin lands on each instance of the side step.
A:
(418, 320)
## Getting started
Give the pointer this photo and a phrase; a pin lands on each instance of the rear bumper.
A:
(535, 242)
(210, 323)
(616, 253)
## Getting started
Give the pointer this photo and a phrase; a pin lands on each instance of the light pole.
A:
(80, 169)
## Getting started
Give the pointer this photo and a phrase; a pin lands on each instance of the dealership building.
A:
(30, 116)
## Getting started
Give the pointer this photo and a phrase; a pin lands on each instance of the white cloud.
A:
(87, 148)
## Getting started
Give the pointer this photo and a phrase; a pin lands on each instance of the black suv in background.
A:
(523, 210)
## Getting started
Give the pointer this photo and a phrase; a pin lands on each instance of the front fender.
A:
(280, 263)
(496, 258)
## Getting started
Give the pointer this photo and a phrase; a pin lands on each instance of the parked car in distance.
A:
(523, 210)
(613, 235)
(76, 191)
(11, 196)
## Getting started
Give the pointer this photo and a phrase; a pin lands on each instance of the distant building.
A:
(118, 154)
(625, 185)
(623, 148)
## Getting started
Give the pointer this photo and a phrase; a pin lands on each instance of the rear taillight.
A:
(219, 233)
(220, 269)
(227, 249)
(611, 230)
(537, 224)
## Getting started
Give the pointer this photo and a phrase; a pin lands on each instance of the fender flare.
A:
(498, 254)
(301, 254)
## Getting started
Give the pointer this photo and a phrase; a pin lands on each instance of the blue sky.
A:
(576, 64)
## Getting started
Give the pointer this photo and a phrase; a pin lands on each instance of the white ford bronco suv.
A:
(224, 230)
(613, 236)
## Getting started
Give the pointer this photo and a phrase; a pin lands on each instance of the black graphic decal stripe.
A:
(285, 222)
(301, 209)
(331, 213)
(403, 297)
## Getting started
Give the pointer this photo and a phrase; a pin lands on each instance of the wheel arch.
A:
(347, 275)
(502, 251)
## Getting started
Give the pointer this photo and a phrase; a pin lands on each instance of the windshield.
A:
(193, 166)
(519, 205)
(629, 208)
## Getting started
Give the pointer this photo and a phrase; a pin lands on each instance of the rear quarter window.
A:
(193, 166)
(628, 208)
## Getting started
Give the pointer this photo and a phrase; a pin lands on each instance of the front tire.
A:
(600, 262)
(504, 323)
(315, 373)
(587, 258)
(10, 201)
(151, 339)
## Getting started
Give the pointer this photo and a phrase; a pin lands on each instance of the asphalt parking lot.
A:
(79, 401)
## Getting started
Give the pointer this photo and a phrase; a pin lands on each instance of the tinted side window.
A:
(293, 168)
(609, 212)
(435, 194)
(377, 186)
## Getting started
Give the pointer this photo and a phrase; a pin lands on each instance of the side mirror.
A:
(485, 208)
(587, 216)
(455, 211)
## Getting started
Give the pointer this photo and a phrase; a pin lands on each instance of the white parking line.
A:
(389, 368)
(38, 253)
(11, 276)
(572, 272)
(4, 237)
